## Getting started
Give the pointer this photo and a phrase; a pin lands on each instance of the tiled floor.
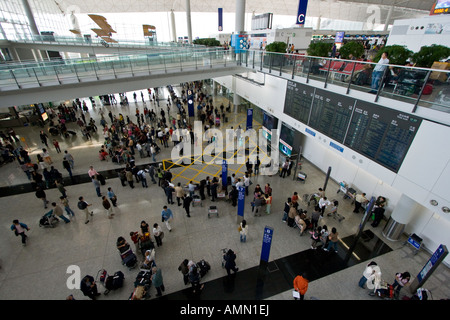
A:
(40, 270)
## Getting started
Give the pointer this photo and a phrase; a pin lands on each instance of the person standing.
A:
(69, 157)
(333, 239)
(107, 205)
(401, 280)
(83, 206)
(360, 199)
(368, 271)
(65, 202)
(315, 216)
(96, 185)
(179, 193)
(44, 138)
(378, 71)
(230, 262)
(158, 234)
(142, 178)
(323, 203)
(61, 188)
(183, 268)
(167, 217)
(129, 176)
(56, 144)
(187, 199)
(19, 229)
(243, 231)
(287, 207)
(301, 285)
(40, 194)
(157, 281)
(268, 199)
(112, 196)
(66, 165)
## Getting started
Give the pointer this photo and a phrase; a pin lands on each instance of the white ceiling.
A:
(354, 10)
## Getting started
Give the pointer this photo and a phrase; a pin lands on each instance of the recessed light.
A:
(433, 202)
(446, 209)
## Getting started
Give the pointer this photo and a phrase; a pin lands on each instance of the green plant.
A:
(396, 54)
(277, 46)
(353, 48)
(209, 42)
(429, 54)
(319, 49)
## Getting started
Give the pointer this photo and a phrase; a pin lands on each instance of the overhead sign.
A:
(301, 13)
(220, 12)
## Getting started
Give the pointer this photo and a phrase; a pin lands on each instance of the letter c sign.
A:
(301, 19)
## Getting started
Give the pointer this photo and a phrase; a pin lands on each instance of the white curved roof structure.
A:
(353, 10)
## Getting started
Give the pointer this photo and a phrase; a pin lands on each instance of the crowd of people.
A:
(146, 136)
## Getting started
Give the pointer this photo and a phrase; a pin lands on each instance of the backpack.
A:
(81, 205)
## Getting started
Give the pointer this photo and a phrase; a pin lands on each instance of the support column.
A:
(33, 27)
(172, 23)
(240, 16)
(400, 217)
(188, 18)
(388, 18)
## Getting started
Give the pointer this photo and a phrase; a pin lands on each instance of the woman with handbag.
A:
(158, 234)
(243, 231)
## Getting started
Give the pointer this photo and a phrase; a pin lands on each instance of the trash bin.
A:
(393, 230)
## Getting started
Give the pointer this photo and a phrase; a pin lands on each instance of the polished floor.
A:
(41, 270)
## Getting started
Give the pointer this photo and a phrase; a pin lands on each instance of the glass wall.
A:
(47, 15)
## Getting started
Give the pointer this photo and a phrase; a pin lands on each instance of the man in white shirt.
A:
(323, 203)
(246, 183)
(378, 71)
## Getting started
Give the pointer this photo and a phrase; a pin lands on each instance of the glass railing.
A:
(74, 40)
(39, 74)
(418, 86)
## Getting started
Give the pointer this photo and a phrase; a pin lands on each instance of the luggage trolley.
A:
(213, 210)
(197, 201)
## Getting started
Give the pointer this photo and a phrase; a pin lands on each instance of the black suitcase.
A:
(101, 178)
(117, 281)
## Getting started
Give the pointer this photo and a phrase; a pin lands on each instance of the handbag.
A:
(239, 228)
(161, 236)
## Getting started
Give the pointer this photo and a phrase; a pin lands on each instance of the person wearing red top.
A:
(301, 285)
(294, 198)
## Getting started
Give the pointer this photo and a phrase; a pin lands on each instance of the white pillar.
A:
(172, 23)
(188, 18)
(388, 18)
(404, 211)
(318, 22)
(240, 16)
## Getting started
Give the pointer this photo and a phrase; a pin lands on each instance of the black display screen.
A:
(379, 133)
(331, 113)
(298, 101)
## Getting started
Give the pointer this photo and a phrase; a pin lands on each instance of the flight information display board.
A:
(379, 133)
(331, 114)
(298, 101)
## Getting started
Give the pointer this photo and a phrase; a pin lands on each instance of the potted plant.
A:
(275, 59)
(427, 55)
(353, 48)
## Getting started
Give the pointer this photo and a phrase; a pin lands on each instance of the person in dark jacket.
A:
(230, 261)
(89, 287)
(187, 203)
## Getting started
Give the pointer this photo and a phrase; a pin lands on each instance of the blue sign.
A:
(301, 13)
(191, 106)
(339, 37)
(310, 132)
(249, 118)
(220, 11)
(438, 255)
(267, 243)
(224, 173)
(241, 201)
(337, 147)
